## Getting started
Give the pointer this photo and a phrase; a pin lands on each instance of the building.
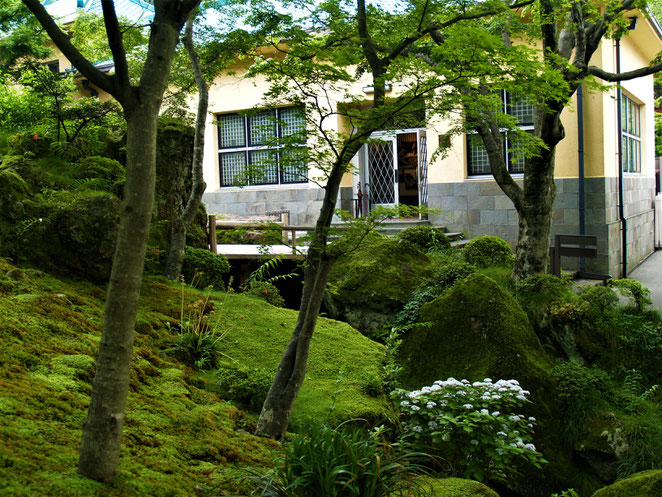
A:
(65, 13)
(398, 170)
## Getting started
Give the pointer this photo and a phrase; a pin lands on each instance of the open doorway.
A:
(407, 169)
(394, 168)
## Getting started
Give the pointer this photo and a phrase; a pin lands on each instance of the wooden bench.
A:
(573, 246)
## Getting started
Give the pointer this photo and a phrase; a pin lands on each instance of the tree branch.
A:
(624, 76)
(114, 34)
(61, 40)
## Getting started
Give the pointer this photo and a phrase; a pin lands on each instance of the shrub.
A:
(247, 387)
(155, 260)
(638, 294)
(198, 334)
(426, 237)
(100, 173)
(203, 268)
(487, 251)
(580, 392)
(266, 291)
(601, 298)
(536, 293)
(341, 462)
(475, 426)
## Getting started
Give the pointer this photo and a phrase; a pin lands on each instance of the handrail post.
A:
(212, 234)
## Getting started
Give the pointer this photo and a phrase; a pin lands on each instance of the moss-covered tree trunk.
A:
(535, 218)
(180, 223)
(102, 432)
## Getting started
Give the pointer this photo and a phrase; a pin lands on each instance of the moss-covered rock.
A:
(77, 237)
(477, 330)
(644, 484)
(374, 281)
(457, 487)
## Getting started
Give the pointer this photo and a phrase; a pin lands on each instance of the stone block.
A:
(502, 202)
(467, 188)
(566, 201)
(493, 217)
(481, 202)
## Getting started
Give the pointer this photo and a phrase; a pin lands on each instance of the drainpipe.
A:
(580, 158)
(621, 206)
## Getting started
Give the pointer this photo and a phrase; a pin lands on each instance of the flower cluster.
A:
(476, 425)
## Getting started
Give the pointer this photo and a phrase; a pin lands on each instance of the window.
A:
(631, 135)
(520, 108)
(53, 66)
(251, 147)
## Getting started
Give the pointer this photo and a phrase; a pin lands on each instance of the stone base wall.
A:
(304, 204)
(481, 208)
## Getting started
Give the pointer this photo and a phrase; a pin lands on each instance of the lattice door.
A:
(423, 169)
(381, 172)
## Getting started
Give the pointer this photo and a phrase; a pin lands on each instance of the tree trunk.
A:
(102, 432)
(535, 216)
(180, 225)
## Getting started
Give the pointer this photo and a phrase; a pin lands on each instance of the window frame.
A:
(254, 144)
(630, 135)
(508, 102)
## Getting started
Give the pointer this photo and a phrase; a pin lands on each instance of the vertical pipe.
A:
(621, 207)
(580, 159)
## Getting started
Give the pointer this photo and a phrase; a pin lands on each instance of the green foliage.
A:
(426, 237)
(178, 435)
(536, 293)
(266, 291)
(581, 392)
(246, 386)
(155, 260)
(198, 334)
(341, 462)
(100, 173)
(476, 427)
(638, 295)
(643, 435)
(487, 250)
(601, 298)
(203, 268)
(76, 234)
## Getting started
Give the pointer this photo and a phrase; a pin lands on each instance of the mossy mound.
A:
(457, 487)
(373, 282)
(644, 484)
(477, 330)
(340, 365)
(180, 437)
(474, 330)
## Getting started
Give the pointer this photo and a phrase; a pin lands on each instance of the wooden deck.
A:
(241, 251)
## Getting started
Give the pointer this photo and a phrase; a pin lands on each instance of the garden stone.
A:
(644, 484)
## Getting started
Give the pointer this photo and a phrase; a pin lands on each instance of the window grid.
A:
(521, 109)
(261, 162)
(231, 131)
(631, 135)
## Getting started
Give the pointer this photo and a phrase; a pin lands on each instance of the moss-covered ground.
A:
(180, 437)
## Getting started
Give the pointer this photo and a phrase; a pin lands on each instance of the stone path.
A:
(649, 274)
